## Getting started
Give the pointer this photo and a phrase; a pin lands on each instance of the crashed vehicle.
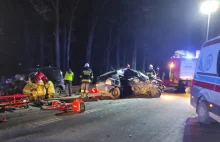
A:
(116, 84)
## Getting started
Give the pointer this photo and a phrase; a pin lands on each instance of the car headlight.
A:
(108, 82)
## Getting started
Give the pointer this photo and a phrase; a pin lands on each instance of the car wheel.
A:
(203, 113)
(58, 91)
(115, 93)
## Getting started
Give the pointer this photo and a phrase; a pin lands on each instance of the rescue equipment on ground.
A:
(14, 101)
(77, 105)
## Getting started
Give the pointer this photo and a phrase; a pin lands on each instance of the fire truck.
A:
(181, 69)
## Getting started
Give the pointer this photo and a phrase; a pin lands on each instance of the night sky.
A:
(159, 26)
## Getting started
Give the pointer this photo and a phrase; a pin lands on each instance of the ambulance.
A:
(205, 90)
(181, 69)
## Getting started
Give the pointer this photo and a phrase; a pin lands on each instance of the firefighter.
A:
(50, 91)
(158, 72)
(38, 78)
(127, 89)
(86, 78)
(127, 71)
(68, 78)
(151, 72)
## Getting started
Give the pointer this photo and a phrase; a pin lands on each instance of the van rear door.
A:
(187, 69)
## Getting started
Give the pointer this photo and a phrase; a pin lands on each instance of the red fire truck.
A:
(181, 69)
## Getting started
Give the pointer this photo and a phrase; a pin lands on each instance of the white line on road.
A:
(48, 121)
(119, 104)
(90, 111)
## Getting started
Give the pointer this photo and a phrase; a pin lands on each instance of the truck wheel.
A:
(203, 113)
(115, 93)
(58, 91)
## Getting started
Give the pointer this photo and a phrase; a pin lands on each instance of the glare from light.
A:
(189, 56)
(210, 105)
(209, 6)
(166, 97)
(171, 65)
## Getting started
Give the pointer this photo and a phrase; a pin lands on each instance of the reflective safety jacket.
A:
(69, 76)
(86, 75)
(50, 88)
(151, 73)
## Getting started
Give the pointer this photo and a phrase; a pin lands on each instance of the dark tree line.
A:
(121, 40)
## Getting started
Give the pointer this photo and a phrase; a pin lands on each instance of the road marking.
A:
(92, 110)
(48, 121)
(118, 104)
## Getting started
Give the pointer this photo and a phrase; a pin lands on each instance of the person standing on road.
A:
(86, 78)
(151, 72)
(158, 72)
(68, 78)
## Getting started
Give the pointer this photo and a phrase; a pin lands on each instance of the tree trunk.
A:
(57, 36)
(107, 62)
(69, 36)
(64, 49)
(144, 61)
(134, 56)
(109, 48)
(91, 35)
(118, 53)
(69, 43)
(27, 43)
(124, 58)
(42, 49)
(90, 42)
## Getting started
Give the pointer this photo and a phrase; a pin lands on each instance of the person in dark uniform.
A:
(151, 72)
(158, 72)
(125, 82)
(86, 78)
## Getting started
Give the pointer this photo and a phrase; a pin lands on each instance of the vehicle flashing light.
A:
(189, 56)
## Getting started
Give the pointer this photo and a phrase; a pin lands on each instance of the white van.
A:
(205, 91)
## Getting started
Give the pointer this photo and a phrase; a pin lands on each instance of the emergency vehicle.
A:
(181, 69)
(205, 90)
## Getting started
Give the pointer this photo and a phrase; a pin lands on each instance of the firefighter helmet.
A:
(86, 65)
(44, 79)
(151, 66)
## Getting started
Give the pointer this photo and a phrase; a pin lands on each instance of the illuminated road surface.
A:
(166, 119)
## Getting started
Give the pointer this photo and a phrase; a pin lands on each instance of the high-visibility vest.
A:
(69, 76)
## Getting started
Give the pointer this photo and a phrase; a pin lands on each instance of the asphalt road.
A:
(167, 119)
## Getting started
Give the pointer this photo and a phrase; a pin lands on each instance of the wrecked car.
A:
(126, 82)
